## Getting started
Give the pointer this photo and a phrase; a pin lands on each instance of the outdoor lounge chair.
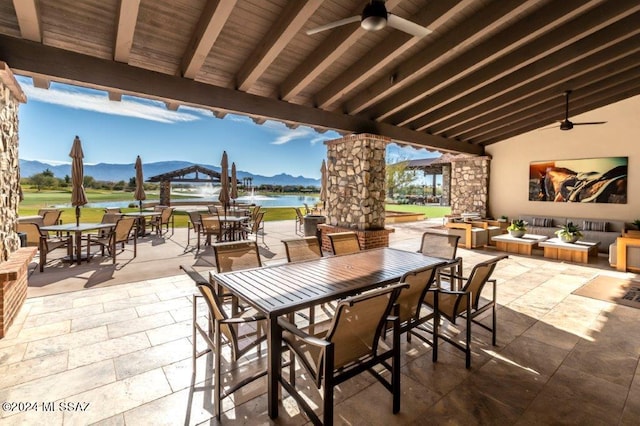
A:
(121, 233)
(444, 246)
(467, 303)
(350, 346)
(344, 242)
(242, 333)
(42, 240)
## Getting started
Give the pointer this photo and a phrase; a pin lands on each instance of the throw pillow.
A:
(543, 221)
(590, 225)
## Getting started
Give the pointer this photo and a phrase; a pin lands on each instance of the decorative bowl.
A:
(569, 238)
(517, 233)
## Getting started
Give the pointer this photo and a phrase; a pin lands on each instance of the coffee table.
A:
(519, 245)
(555, 248)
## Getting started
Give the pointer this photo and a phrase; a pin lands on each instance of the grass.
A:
(33, 201)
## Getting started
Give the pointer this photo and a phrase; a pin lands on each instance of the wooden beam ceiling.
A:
(127, 18)
(28, 19)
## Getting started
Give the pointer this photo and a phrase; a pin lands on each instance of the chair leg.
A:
(327, 403)
(217, 404)
(395, 372)
(494, 325)
(468, 347)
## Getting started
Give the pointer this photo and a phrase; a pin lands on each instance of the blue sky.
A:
(116, 132)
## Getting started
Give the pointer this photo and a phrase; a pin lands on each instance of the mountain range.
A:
(118, 172)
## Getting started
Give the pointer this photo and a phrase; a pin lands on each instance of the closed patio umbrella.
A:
(234, 183)
(223, 197)
(323, 184)
(139, 194)
(78, 197)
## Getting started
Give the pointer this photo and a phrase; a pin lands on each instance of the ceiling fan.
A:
(568, 124)
(375, 17)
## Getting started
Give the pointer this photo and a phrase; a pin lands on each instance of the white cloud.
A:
(97, 101)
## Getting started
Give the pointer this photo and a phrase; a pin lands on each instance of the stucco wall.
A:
(620, 136)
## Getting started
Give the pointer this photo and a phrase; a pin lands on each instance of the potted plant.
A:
(636, 223)
(503, 218)
(569, 233)
(517, 228)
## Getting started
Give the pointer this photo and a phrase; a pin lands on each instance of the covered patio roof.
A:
(489, 70)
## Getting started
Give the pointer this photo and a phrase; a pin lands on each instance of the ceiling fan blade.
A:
(394, 21)
(588, 123)
(334, 24)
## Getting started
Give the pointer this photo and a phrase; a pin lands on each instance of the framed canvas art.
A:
(587, 180)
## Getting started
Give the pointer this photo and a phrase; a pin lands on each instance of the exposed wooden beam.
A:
(209, 26)
(8, 79)
(258, 120)
(292, 125)
(512, 42)
(291, 20)
(581, 73)
(41, 82)
(69, 67)
(115, 96)
(127, 18)
(28, 19)
(467, 32)
(172, 106)
(384, 53)
(606, 26)
(219, 114)
(335, 45)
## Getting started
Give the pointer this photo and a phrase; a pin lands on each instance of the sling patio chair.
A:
(51, 217)
(242, 333)
(255, 228)
(42, 240)
(234, 256)
(299, 221)
(193, 224)
(121, 233)
(165, 218)
(344, 242)
(444, 246)
(350, 346)
(210, 226)
(468, 304)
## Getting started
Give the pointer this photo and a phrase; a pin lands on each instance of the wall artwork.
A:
(588, 180)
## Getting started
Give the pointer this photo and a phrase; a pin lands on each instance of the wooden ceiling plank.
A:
(127, 18)
(69, 67)
(589, 69)
(555, 102)
(583, 104)
(463, 34)
(28, 15)
(392, 47)
(291, 20)
(505, 47)
(212, 20)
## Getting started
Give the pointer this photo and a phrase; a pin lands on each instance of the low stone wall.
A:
(368, 238)
(13, 285)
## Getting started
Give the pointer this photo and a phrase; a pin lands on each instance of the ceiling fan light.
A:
(373, 23)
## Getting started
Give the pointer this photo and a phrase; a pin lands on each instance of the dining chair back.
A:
(164, 220)
(193, 225)
(299, 249)
(350, 346)
(242, 333)
(467, 303)
(210, 226)
(344, 242)
(236, 255)
(444, 246)
(42, 240)
(51, 217)
(256, 227)
(121, 233)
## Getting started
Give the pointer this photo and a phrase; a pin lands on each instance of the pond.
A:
(264, 201)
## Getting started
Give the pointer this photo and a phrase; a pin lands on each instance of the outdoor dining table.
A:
(141, 222)
(77, 230)
(287, 288)
(234, 225)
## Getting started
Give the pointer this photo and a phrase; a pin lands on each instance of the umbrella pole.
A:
(77, 215)
(140, 201)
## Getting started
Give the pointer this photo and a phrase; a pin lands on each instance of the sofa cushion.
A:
(546, 222)
(595, 225)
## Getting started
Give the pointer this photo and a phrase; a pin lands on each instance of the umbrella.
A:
(234, 183)
(78, 197)
(224, 182)
(139, 194)
(323, 184)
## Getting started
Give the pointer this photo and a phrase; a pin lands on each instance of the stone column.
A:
(356, 188)
(446, 185)
(470, 185)
(165, 193)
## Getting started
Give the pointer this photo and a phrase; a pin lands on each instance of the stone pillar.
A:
(356, 188)
(165, 193)
(446, 185)
(470, 185)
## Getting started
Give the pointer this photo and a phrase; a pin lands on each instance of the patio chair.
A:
(468, 304)
(242, 333)
(350, 346)
(443, 246)
(234, 256)
(165, 218)
(193, 224)
(255, 227)
(210, 226)
(299, 250)
(42, 240)
(50, 217)
(112, 210)
(307, 210)
(344, 242)
(121, 233)
(299, 221)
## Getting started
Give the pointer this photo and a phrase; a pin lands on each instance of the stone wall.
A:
(165, 193)
(470, 185)
(356, 182)
(10, 97)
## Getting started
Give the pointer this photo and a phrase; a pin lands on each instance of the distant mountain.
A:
(118, 172)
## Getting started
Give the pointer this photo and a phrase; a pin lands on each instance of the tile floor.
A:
(121, 355)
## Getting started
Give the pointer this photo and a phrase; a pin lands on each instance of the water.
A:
(265, 201)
